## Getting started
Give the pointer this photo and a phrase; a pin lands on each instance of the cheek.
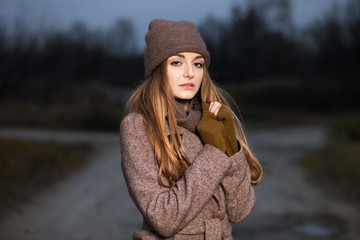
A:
(173, 74)
(173, 84)
(171, 78)
(200, 77)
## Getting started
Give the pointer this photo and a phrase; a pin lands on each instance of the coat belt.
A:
(211, 228)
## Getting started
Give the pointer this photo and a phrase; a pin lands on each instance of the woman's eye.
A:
(199, 65)
(175, 63)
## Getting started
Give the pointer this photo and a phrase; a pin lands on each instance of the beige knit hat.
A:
(167, 38)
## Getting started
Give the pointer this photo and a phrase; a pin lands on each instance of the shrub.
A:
(346, 128)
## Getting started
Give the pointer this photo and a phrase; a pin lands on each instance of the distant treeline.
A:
(262, 41)
(74, 54)
(257, 42)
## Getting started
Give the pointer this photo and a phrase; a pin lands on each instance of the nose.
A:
(189, 71)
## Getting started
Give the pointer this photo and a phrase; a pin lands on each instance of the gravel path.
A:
(94, 203)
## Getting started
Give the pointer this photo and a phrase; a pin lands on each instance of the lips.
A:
(190, 84)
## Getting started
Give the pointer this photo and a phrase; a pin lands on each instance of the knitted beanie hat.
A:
(167, 38)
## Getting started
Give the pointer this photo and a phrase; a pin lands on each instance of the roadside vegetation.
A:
(27, 168)
(338, 163)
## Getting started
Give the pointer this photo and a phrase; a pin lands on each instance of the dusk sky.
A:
(95, 13)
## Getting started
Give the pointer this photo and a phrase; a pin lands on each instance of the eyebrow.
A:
(182, 56)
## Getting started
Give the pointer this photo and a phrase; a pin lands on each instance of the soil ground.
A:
(94, 203)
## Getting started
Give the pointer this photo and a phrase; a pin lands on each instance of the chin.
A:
(186, 96)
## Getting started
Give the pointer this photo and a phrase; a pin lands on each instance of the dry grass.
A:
(28, 167)
(338, 164)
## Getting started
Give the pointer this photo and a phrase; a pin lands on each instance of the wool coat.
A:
(214, 192)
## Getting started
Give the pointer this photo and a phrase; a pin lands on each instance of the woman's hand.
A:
(214, 107)
(209, 128)
(216, 127)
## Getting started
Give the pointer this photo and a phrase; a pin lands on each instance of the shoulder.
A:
(135, 146)
(133, 123)
(132, 119)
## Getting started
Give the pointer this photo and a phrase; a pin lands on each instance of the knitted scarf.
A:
(189, 118)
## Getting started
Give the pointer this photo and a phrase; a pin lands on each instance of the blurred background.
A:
(67, 69)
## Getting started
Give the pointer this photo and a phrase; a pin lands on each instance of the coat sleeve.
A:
(239, 192)
(167, 210)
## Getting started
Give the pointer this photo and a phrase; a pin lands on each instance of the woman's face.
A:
(185, 72)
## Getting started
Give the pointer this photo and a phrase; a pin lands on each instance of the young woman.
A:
(185, 158)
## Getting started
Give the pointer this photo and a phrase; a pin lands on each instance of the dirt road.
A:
(94, 203)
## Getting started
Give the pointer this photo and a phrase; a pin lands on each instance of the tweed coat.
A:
(214, 191)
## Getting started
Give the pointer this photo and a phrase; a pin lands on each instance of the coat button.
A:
(219, 215)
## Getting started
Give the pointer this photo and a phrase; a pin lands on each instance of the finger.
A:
(217, 108)
(214, 107)
(210, 106)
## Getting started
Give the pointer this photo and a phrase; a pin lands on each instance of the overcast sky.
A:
(102, 13)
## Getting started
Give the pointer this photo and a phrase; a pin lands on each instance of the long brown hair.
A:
(154, 100)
